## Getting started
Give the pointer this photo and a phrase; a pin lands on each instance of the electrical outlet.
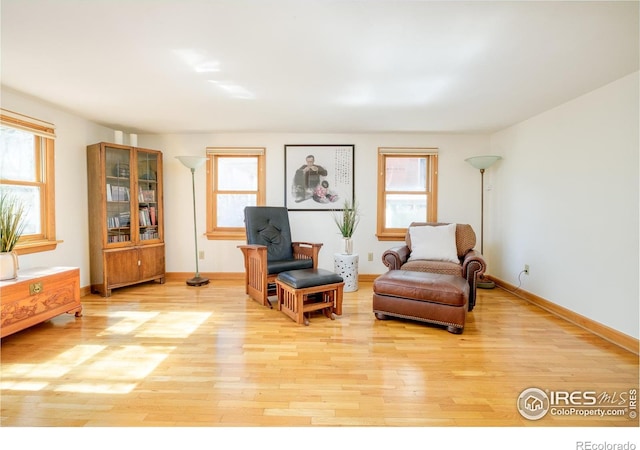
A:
(526, 269)
(370, 256)
(201, 254)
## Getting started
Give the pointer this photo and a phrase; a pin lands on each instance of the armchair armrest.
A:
(254, 256)
(473, 267)
(255, 267)
(307, 250)
(249, 248)
(395, 257)
(473, 263)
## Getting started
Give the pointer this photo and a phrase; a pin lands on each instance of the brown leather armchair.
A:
(470, 267)
(270, 250)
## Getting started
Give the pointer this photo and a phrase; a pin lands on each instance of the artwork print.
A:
(318, 177)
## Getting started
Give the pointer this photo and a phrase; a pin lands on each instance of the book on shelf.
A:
(143, 216)
(147, 196)
(148, 234)
(113, 222)
(120, 193)
(152, 214)
(118, 238)
(109, 196)
(124, 218)
(121, 220)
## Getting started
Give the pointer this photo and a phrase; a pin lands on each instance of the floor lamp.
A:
(482, 163)
(193, 162)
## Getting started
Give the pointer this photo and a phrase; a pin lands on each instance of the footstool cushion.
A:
(303, 278)
(427, 297)
(297, 288)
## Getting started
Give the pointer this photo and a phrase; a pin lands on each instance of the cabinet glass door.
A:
(148, 195)
(118, 192)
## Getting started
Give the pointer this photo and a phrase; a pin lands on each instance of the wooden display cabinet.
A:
(126, 229)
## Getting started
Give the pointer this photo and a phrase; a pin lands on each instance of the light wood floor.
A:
(173, 355)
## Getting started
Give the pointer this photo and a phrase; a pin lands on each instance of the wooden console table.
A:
(37, 295)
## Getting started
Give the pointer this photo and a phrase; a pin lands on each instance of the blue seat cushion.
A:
(305, 278)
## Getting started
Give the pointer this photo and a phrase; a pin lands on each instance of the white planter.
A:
(347, 267)
(8, 266)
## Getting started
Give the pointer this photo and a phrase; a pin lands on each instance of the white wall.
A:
(73, 134)
(459, 192)
(565, 201)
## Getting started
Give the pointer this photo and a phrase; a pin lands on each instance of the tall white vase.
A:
(348, 245)
(8, 266)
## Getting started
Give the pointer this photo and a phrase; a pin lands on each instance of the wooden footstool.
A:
(305, 290)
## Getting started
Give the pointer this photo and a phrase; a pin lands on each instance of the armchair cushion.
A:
(441, 267)
(434, 243)
(269, 226)
(465, 236)
(275, 267)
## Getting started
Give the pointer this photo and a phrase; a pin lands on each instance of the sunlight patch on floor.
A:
(55, 367)
(7, 385)
(129, 362)
(174, 324)
(104, 370)
(97, 388)
(129, 321)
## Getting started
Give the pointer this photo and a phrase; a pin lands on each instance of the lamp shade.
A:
(482, 162)
(192, 162)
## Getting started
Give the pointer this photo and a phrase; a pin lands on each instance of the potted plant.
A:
(12, 223)
(347, 221)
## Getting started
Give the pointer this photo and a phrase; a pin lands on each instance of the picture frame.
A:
(318, 177)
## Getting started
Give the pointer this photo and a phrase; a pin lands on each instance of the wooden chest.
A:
(37, 295)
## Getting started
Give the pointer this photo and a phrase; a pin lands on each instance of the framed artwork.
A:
(318, 177)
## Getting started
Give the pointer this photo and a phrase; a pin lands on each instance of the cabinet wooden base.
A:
(38, 295)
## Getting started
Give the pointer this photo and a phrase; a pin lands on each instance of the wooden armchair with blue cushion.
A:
(270, 250)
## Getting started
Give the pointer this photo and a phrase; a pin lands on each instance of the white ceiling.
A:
(178, 66)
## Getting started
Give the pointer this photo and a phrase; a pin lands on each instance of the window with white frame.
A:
(235, 179)
(27, 172)
(407, 189)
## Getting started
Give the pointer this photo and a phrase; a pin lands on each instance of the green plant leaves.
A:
(12, 221)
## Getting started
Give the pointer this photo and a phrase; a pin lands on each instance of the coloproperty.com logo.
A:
(534, 403)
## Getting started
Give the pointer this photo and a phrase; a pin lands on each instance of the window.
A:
(235, 179)
(27, 170)
(407, 189)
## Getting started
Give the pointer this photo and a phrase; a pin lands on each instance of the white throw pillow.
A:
(434, 243)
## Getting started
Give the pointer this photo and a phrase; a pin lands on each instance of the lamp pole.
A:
(195, 230)
(193, 162)
(482, 211)
(482, 163)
